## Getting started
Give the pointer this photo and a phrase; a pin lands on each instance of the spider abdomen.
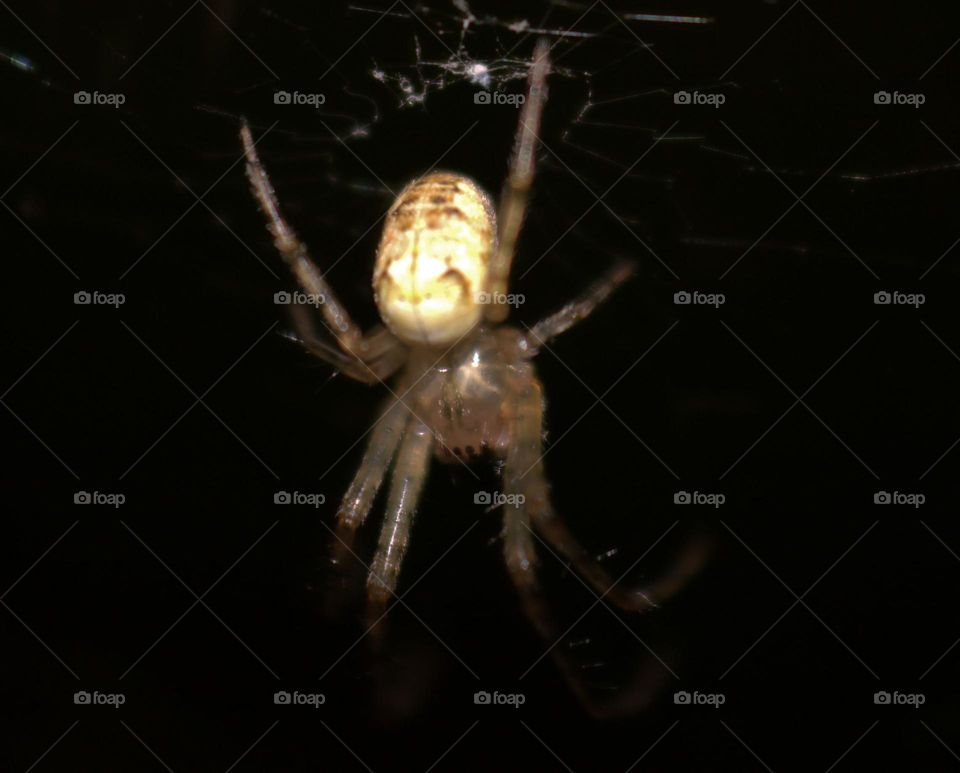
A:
(433, 259)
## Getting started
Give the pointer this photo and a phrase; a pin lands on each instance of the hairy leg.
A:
(358, 500)
(516, 190)
(520, 555)
(380, 367)
(521, 558)
(406, 483)
(579, 308)
(524, 475)
(294, 252)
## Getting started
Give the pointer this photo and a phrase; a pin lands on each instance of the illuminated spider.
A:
(465, 383)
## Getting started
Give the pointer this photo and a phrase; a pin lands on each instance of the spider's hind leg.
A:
(518, 540)
(524, 475)
(360, 496)
(520, 555)
(406, 483)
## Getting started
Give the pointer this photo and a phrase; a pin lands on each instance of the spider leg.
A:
(523, 474)
(521, 559)
(579, 308)
(359, 498)
(406, 483)
(294, 252)
(378, 369)
(516, 190)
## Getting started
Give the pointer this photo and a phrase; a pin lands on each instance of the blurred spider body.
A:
(463, 382)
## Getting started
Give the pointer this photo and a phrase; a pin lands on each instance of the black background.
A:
(111, 207)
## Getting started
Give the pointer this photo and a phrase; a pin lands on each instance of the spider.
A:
(465, 383)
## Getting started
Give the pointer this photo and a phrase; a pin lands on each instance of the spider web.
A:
(416, 70)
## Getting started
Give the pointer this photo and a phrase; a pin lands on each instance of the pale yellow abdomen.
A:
(433, 259)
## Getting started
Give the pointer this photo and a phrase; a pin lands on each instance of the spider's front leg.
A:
(516, 189)
(361, 349)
